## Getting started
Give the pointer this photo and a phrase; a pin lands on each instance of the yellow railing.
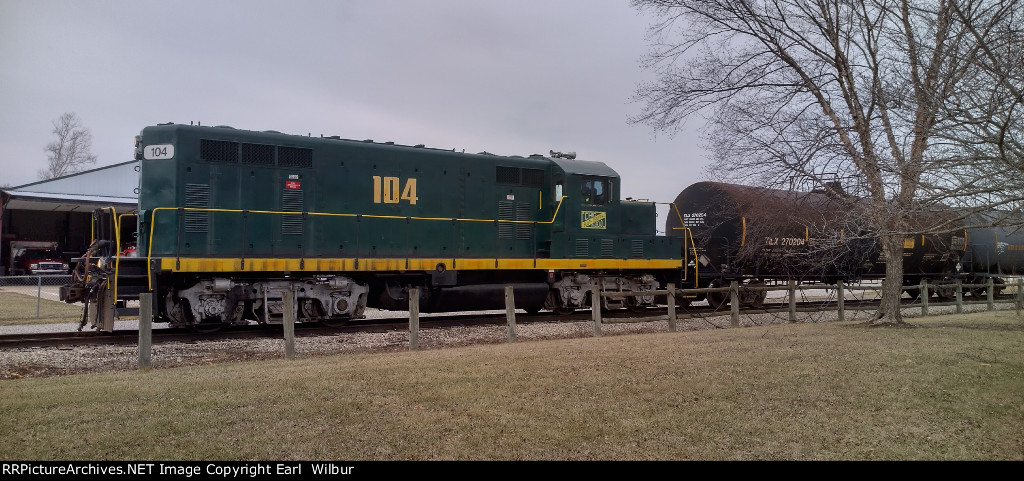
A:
(117, 244)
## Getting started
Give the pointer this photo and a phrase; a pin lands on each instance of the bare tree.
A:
(987, 143)
(71, 151)
(818, 89)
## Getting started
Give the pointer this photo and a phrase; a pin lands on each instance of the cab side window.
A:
(594, 191)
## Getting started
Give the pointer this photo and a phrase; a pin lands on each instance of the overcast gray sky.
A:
(510, 77)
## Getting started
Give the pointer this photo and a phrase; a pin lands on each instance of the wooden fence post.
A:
(145, 330)
(924, 297)
(959, 297)
(289, 323)
(671, 307)
(595, 308)
(1020, 294)
(734, 300)
(840, 300)
(792, 300)
(991, 294)
(414, 318)
(510, 313)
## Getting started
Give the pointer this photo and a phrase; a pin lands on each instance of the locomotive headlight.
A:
(138, 147)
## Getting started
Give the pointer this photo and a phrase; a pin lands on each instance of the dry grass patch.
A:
(952, 389)
(20, 309)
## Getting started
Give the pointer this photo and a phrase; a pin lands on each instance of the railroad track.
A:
(399, 322)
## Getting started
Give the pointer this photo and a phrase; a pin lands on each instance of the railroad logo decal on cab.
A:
(593, 220)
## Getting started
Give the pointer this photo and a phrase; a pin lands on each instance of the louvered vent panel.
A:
(523, 213)
(607, 248)
(291, 201)
(197, 195)
(506, 211)
(582, 248)
(637, 249)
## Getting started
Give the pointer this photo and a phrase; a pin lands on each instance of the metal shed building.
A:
(59, 210)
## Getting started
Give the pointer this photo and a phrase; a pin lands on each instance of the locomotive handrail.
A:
(117, 253)
(687, 235)
(152, 223)
(117, 245)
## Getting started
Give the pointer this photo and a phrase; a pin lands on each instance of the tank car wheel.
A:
(913, 293)
(681, 300)
(945, 291)
(717, 300)
(997, 286)
(979, 292)
(751, 298)
(634, 307)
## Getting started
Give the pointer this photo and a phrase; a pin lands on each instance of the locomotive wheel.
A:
(717, 300)
(553, 302)
(633, 305)
(333, 321)
(207, 327)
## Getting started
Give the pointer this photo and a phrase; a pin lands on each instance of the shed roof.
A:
(113, 185)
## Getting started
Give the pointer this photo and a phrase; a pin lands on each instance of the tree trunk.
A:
(892, 287)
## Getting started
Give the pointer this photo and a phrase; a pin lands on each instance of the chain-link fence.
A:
(36, 299)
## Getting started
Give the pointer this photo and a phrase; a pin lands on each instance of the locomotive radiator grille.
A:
(258, 154)
(294, 157)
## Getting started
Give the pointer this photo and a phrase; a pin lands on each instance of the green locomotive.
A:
(230, 219)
